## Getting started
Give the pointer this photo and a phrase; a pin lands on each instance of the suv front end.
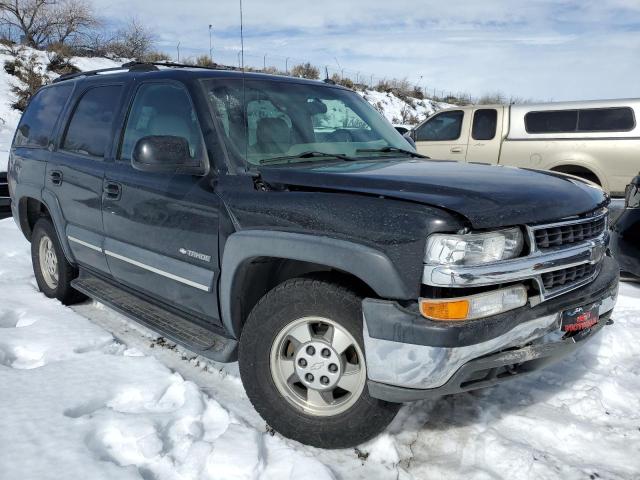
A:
(494, 305)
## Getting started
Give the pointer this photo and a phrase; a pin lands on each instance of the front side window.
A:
(442, 127)
(485, 121)
(90, 127)
(161, 109)
(37, 123)
(281, 122)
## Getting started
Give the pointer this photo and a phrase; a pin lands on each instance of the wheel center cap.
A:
(318, 365)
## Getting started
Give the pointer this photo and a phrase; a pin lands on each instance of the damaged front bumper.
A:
(411, 358)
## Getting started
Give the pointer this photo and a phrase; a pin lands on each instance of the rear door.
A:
(444, 136)
(486, 135)
(35, 137)
(75, 170)
(162, 228)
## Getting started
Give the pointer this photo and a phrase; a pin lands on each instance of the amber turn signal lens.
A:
(439, 310)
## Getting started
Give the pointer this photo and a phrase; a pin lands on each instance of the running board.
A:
(173, 327)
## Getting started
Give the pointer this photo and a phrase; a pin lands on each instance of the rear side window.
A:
(606, 120)
(89, 129)
(444, 126)
(484, 124)
(615, 119)
(560, 121)
(37, 123)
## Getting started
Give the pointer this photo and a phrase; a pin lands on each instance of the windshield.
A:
(281, 122)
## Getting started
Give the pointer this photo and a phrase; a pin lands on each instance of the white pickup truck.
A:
(595, 140)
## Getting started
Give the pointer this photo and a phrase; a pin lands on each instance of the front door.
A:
(444, 136)
(76, 168)
(161, 229)
(486, 135)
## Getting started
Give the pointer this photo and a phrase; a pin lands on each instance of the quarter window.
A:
(36, 125)
(484, 124)
(162, 109)
(606, 120)
(560, 121)
(615, 119)
(90, 126)
(444, 126)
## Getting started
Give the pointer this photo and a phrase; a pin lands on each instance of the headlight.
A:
(473, 248)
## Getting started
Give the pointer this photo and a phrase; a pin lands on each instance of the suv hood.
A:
(488, 196)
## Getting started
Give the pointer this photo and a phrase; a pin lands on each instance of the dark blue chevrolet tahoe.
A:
(285, 224)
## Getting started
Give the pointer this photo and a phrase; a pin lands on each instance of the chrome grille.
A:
(559, 235)
(560, 278)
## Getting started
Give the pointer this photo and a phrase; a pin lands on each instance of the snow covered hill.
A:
(88, 394)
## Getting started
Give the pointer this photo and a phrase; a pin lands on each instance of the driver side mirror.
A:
(632, 194)
(165, 154)
(409, 138)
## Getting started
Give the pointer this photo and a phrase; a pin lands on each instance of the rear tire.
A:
(52, 270)
(302, 365)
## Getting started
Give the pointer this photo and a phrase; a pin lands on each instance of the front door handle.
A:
(56, 177)
(112, 190)
(456, 150)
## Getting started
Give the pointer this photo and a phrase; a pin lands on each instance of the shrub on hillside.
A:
(29, 71)
(306, 70)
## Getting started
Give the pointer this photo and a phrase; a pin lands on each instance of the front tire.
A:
(303, 367)
(52, 270)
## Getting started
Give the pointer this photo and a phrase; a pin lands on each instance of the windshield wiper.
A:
(390, 149)
(309, 154)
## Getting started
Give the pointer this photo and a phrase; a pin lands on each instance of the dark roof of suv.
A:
(181, 72)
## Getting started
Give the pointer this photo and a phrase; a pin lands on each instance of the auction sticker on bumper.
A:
(580, 318)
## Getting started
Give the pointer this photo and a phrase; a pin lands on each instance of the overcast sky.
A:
(536, 49)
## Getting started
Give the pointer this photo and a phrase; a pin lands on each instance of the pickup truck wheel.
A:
(53, 272)
(303, 367)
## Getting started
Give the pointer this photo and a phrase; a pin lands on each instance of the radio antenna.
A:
(241, 38)
(244, 91)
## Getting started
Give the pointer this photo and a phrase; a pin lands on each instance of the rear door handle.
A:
(456, 149)
(56, 177)
(112, 190)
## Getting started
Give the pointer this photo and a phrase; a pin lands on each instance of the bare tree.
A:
(133, 41)
(44, 22)
(73, 21)
(30, 18)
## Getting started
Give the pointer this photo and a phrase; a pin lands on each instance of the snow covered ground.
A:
(88, 394)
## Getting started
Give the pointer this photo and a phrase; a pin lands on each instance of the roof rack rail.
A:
(127, 67)
(138, 67)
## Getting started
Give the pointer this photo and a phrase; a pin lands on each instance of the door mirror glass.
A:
(407, 136)
(632, 194)
(164, 153)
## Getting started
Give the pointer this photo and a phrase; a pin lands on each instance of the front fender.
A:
(368, 264)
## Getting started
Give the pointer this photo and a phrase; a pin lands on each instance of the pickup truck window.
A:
(269, 120)
(89, 129)
(36, 125)
(161, 109)
(441, 127)
(560, 121)
(615, 119)
(619, 119)
(485, 121)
